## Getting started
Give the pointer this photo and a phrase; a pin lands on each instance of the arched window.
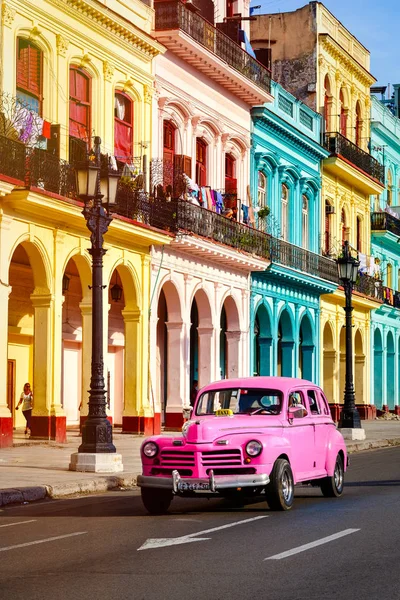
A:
(358, 124)
(304, 222)
(327, 102)
(261, 190)
(389, 196)
(284, 211)
(398, 279)
(201, 162)
(359, 234)
(389, 275)
(79, 113)
(123, 126)
(230, 180)
(343, 115)
(29, 74)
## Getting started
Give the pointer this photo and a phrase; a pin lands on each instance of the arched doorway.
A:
(115, 373)
(359, 365)
(202, 355)
(230, 339)
(329, 363)
(390, 372)
(306, 349)
(169, 355)
(378, 368)
(71, 393)
(285, 345)
(262, 342)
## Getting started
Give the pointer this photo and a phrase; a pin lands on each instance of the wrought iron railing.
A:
(12, 158)
(303, 260)
(383, 221)
(175, 15)
(369, 286)
(47, 172)
(337, 144)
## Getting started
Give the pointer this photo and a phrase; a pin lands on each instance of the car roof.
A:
(282, 383)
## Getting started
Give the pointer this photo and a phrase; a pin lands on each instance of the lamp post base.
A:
(352, 434)
(96, 462)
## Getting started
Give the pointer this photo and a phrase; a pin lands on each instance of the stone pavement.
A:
(35, 469)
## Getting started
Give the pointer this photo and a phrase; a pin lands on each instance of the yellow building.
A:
(72, 70)
(318, 60)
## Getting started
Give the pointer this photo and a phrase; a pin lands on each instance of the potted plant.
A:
(263, 212)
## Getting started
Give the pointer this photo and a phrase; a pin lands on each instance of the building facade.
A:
(67, 76)
(206, 84)
(286, 179)
(316, 58)
(385, 228)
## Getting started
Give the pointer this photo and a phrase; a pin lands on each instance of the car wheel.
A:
(332, 487)
(280, 490)
(156, 501)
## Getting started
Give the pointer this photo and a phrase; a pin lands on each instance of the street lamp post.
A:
(97, 189)
(349, 421)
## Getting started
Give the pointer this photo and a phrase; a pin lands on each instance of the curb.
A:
(62, 490)
(374, 445)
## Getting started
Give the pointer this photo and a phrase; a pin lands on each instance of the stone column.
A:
(86, 312)
(307, 351)
(234, 340)
(206, 354)
(265, 346)
(48, 419)
(175, 380)
(132, 405)
(6, 420)
(287, 358)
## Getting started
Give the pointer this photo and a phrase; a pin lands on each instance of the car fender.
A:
(335, 444)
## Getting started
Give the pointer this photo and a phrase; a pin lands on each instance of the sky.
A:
(375, 24)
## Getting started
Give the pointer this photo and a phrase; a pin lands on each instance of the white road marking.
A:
(305, 547)
(52, 539)
(185, 539)
(19, 523)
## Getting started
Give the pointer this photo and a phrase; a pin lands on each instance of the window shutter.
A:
(183, 164)
(22, 64)
(35, 58)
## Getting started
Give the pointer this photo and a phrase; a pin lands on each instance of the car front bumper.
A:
(213, 484)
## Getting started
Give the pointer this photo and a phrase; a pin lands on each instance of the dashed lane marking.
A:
(325, 540)
(19, 523)
(52, 539)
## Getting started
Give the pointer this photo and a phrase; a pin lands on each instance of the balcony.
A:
(370, 287)
(383, 221)
(200, 44)
(391, 297)
(348, 161)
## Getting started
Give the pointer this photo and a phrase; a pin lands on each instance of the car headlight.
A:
(150, 449)
(254, 448)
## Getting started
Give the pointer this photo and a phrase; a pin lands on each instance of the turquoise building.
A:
(285, 186)
(385, 248)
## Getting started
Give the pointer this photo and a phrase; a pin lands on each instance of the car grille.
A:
(177, 459)
(221, 458)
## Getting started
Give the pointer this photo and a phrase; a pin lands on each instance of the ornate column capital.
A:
(62, 45)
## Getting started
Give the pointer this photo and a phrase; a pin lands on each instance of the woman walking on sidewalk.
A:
(26, 400)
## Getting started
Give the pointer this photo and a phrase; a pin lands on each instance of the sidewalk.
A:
(34, 469)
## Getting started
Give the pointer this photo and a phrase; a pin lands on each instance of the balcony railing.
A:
(383, 221)
(12, 158)
(175, 15)
(337, 145)
(391, 297)
(369, 286)
(297, 258)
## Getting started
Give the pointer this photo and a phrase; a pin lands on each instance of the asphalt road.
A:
(106, 547)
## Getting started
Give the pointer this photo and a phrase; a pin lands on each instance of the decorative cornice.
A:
(336, 51)
(62, 45)
(8, 15)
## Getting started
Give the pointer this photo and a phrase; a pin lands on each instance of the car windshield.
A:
(240, 401)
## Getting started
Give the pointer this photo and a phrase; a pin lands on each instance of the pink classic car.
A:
(247, 437)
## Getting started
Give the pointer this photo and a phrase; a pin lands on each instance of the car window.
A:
(313, 401)
(240, 401)
(324, 403)
(295, 399)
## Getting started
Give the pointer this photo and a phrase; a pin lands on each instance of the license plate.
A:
(192, 486)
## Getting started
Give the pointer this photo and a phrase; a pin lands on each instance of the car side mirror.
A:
(297, 412)
(187, 412)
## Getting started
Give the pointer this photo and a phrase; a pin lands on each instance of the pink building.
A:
(206, 83)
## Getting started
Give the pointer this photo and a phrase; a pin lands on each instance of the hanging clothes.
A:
(219, 203)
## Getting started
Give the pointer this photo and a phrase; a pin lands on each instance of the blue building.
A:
(385, 248)
(285, 185)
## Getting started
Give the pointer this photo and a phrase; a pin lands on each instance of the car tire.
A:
(332, 487)
(280, 490)
(156, 501)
